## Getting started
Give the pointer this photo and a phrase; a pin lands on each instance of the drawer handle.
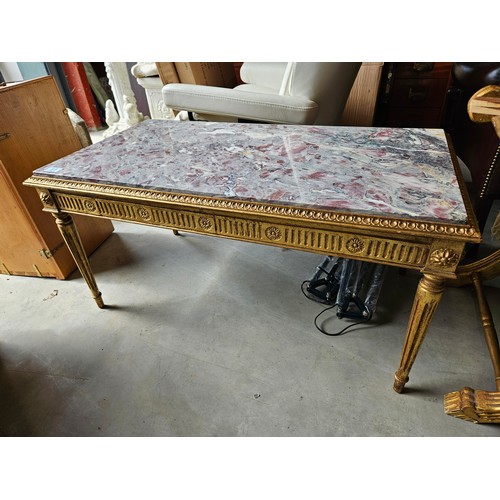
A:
(421, 67)
(417, 95)
(4, 136)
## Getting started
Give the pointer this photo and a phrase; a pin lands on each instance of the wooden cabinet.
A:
(35, 130)
(413, 94)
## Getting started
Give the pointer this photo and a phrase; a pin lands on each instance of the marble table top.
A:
(404, 173)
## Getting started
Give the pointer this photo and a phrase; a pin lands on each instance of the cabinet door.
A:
(37, 131)
(19, 236)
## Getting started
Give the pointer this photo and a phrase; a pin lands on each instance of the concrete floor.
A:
(211, 337)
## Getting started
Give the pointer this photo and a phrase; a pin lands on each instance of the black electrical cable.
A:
(324, 332)
(336, 334)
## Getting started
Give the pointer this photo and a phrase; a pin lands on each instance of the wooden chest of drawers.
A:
(413, 94)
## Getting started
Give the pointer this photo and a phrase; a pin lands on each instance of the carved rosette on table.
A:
(205, 223)
(355, 245)
(444, 257)
(273, 233)
(143, 213)
(46, 199)
(90, 206)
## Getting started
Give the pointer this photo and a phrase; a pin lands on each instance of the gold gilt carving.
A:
(449, 230)
(444, 257)
(90, 205)
(46, 199)
(374, 249)
(143, 213)
(473, 405)
(205, 223)
(355, 245)
(273, 233)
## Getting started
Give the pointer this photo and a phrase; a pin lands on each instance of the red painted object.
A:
(82, 94)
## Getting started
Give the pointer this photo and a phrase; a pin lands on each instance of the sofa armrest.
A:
(256, 106)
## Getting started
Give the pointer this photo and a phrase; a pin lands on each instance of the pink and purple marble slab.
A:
(383, 171)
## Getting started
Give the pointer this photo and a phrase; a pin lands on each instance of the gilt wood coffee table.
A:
(391, 196)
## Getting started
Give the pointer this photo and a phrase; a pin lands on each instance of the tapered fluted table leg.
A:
(429, 292)
(72, 238)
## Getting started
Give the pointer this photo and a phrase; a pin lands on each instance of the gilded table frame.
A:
(433, 248)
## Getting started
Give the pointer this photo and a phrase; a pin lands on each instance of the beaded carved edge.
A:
(469, 232)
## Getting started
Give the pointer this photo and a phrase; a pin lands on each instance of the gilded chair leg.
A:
(475, 405)
(490, 333)
(429, 292)
(72, 238)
